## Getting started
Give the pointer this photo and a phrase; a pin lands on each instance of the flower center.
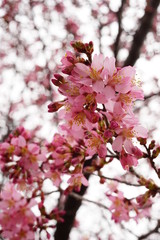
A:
(79, 119)
(94, 74)
(94, 142)
(126, 98)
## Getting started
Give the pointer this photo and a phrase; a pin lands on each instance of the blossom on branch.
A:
(96, 117)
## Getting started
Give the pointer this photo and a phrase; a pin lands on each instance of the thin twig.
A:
(134, 172)
(120, 181)
(151, 95)
(78, 197)
(151, 160)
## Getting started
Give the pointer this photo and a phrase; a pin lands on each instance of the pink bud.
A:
(108, 134)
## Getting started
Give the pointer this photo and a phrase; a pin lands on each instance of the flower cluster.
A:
(98, 101)
(20, 157)
(66, 156)
(96, 114)
(124, 209)
(27, 163)
(16, 219)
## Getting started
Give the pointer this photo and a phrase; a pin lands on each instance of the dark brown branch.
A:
(71, 207)
(151, 160)
(146, 100)
(151, 95)
(119, 18)
(155, 230)
(140, 35)
(132, 171)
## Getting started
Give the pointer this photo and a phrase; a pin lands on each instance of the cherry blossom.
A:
(96, 122)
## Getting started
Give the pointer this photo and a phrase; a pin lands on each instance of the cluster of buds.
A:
(21, 158)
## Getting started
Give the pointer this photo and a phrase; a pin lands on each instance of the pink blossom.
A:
(109, 69)
(125, 136)
(128, 160)
(20, 141)
(76, 180)
(120, 210)
(95, 144)
(123, 79)
(15, 209)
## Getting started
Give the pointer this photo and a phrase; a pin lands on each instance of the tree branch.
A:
(119, 18)
(80, 198)
(141, 33)
(119, 181)
(71, 207)
(151, 95)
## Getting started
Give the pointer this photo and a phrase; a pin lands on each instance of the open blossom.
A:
(123, 79)
(120, 210)
(95, 144)
(16, 214)
(76, 180)
(128, 160)
(128, 99)
(130, 155)
(91, 75)
(125, 136)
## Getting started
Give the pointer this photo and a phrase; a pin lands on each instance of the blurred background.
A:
(34, 35)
